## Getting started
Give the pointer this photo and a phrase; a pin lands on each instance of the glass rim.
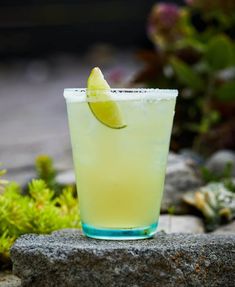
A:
(121, 94)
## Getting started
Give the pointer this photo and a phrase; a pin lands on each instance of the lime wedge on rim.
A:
(103, 108)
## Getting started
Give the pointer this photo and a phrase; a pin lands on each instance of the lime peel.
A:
(103, 108)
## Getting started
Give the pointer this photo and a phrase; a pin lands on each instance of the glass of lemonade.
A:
(120, 172)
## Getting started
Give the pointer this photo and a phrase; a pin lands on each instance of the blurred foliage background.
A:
(194, 50)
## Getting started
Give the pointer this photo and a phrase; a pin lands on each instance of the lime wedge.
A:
(103, 108)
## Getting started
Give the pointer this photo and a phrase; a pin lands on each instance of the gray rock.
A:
(68, 259)
(180, 224)
(66, 177)
(181, 176)
(228, 228)
(218, 161)
(191, 155)
(7, 279)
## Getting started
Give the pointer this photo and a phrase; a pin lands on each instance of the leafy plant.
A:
(3, 182)
(216, 199)
(40, 211)
(46, 171)
(216, 203)
(195, 52)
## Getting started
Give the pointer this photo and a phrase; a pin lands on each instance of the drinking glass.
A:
(120, 172)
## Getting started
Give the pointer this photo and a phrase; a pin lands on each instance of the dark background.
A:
(29, 28)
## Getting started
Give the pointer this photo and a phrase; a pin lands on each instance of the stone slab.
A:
(7, 279)
(68, 259)
(219, 160)
(181, 176)
(180, 224)
(227, 228)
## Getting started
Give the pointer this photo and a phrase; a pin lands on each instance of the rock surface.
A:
(228, 228)
(9, 280)
(180, 177)
(68, 259)
(218, 161)
(191, 155)
(180, 224)
(66, 177)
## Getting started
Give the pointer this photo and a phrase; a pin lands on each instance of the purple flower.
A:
(166, 15)
(165, 23)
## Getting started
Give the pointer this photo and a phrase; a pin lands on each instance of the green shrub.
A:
(195, 53)
(42, 210)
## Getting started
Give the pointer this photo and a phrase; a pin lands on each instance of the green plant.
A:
(216, 199)
(46, 171)
(6, 241)
(195, 52)
(40, 211)
(3, 182)
(216, 203)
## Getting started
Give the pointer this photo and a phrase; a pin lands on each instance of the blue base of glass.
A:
(119, 234)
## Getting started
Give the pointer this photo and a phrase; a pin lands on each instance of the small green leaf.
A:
(220, 52)
(186, 74)
(226, 92)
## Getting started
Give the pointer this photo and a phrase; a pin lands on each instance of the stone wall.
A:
(68, 259)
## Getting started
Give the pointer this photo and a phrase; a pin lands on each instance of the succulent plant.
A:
(215, 201)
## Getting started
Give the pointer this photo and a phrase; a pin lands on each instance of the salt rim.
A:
(80, 95)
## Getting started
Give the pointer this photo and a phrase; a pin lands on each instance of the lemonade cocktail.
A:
(120, 172)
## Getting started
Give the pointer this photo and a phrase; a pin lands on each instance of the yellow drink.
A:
(120, 172)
